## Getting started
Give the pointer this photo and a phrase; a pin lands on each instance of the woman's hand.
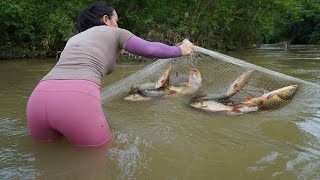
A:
(186, 47)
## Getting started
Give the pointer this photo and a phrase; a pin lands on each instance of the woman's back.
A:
(90, 54)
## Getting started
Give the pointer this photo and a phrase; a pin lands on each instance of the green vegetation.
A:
(38, 28)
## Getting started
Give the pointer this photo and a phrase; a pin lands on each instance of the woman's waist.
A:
(72, 85)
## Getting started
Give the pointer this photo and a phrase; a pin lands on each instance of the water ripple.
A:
(12, 127)
(130, 155)
(265, 161)
(22, 172)
(10, 156)
(306, 164)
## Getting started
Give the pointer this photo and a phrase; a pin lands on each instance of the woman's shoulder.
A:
(108, 28)
(108, 31)
(116, 31)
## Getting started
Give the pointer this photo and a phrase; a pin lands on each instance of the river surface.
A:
(152, 141)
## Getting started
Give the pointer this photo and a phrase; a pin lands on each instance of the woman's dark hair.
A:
(91, 16)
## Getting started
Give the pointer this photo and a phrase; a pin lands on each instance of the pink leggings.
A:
(70, 108)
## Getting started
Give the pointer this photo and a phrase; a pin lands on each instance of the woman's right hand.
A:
(186, 48)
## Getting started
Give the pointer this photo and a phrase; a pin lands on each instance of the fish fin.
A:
(165, 85)
(165, 75)
(248, 100)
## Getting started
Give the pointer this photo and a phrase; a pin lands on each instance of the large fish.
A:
(274, 99)
(214, 106)
(145, 92)
(149, 91)
(190, 87)
(187, 88)
(234, 88)
(239, 83)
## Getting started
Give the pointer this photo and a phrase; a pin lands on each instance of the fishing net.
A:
(218, 71)
(170, 125)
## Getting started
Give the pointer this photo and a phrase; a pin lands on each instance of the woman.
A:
(67, 100)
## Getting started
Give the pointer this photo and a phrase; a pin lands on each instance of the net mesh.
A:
(168, 124)
(218, 71)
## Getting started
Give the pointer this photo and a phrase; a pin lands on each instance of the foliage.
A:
(38, 28)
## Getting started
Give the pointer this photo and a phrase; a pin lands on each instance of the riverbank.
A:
(22, 54)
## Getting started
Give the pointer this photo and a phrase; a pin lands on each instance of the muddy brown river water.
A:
(166, 141)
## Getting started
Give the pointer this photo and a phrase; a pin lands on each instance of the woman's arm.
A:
(138, 46)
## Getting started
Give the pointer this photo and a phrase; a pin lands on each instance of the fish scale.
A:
(274, 102)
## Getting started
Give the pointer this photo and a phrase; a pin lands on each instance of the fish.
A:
(141, 87)
(154, 92)
(274, 99)
(234, 88)
(195, 77)
(164, 78)
(149, 90)
(135, 96)
(239, 83)
(211, 106)
(215, 97)
(214, 107)
(139, 94)
(190, 87)
(162, 87)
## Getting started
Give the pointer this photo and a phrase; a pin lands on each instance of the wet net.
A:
(170, 125)
(218, 72)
